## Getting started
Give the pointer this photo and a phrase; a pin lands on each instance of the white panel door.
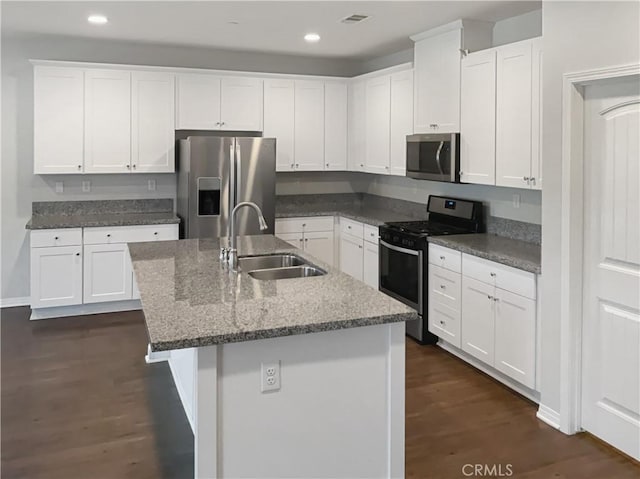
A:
(611, 303)
(107, 273)
(294, 239)
(401, 120)
(478, 118)
(444, 322)
(107, 122)
(351, 256)
(513, 115)
(536, 114)
(335, 126)
(58, 122)
(309, 125)
(320, 245)
(356, 126)
(279, 115)
(197, 102)
(477, 323)
(241, 103)
(152, 122)
(515, 347)
(56, 276)
(371, 265)
(378, 124)
(426, 58)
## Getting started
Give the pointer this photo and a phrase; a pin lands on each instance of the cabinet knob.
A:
(442, 286)
(489, 296)
(77, 254)
(297, 165)
(441, 322)
(359, 246)
(301, 240)
(327, 165)
(79, 167)
(496, 299)
(461, 173)
(442, 258)
(108, 235)
(217, 123)
(304, 225)
(306, 239)
(361, 165)
(155, 233)
(493, 275)
(222, 122)
(134, 167)
(526, 178)
(293, 165)
(128, 166)
(533, 180)
(56, 238)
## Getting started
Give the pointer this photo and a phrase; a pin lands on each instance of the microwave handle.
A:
(438, 157)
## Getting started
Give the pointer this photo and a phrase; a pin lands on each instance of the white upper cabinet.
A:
(478, 118)
(309, 125)
(356, 125)
(197, 102)
(58, 118)
(279, 114)
(335, 126)
(241, 104)
(377, 121)
(513, 115)
(152, 122)
(401, 120)
(107, 122)
(536, 114)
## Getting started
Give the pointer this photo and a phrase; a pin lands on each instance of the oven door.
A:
(434, 157)
(401, 274)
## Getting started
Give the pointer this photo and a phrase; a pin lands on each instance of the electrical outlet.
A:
(151, 185)
(59, 187)
(86, 186)
(516, 200)
(270, 376)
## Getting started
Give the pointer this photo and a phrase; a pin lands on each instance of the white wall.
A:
(578, 36)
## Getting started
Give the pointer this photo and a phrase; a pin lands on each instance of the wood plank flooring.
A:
(78, 401)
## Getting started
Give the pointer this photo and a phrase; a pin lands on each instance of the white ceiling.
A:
(263, 26)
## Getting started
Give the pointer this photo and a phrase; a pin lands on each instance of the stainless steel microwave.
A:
(434, 157)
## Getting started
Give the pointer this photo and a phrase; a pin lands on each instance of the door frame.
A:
(572, 231)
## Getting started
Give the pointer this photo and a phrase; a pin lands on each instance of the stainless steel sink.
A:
(282, 260)
(287, 272)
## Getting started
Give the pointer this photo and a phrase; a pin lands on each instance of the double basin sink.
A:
(278, 266)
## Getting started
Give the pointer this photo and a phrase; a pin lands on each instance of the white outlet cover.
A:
(516, 200)
(270, 377)
(59, 187)
(151, 185)
(86, 186)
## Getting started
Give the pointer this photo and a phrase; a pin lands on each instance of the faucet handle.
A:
(224, 254)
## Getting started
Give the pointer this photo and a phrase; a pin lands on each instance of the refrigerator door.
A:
(255, 177)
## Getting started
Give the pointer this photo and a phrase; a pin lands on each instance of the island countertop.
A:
(190, 300)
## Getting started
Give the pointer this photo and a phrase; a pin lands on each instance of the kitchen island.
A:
(336, 405)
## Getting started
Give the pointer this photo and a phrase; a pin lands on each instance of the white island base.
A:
(338, 414)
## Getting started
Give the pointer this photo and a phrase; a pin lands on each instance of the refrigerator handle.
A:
(238, 173)
(232, 183)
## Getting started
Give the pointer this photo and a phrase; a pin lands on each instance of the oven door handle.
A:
(400, 250)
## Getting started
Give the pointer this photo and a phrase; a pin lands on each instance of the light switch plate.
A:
(59, 187)
(151, 185)
(516, 200)
(86, 186)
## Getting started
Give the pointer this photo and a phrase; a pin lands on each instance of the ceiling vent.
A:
(355, 18)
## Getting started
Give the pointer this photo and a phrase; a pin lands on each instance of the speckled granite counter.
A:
(189, 300)
(363, 214)
(515, 253)
(84, 214)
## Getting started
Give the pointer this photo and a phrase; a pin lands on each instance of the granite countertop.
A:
(189, 300)
(511, 252)
(364, 214)
(90, 220)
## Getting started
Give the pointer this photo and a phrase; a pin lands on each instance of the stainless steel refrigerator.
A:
(214, 174)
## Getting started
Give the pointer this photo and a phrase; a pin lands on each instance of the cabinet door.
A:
(444, 322)
(515, 336)
(377, 121)
(478, 322)
(309, 125)
(320, 245)
(426, 58)
(241, 104)
(401, 120)
(370, 264)
(152, 122)
(351, 256)
(478, 119)
(58, 120)
(513, 115)
(107, 273)
(279, 120)
(56, 276)
(335, 126)
(107, 122)
(198, 102)
(356, 126)
(536, 114)
(294, 239)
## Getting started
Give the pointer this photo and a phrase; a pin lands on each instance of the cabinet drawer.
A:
(61, 237)
(500, 275)
(445, 257)
(371, 234)
(130, 234)
(444, 286)
(304, 224)
(444, 322)
(352, 228)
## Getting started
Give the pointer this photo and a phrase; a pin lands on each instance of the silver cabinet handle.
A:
(526, 178)
(442, 258)
(533, 180)
(442, 286)
(493, 275)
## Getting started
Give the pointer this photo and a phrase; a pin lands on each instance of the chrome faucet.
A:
(230, 255)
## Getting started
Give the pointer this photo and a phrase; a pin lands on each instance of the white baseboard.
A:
(13, 302)
(530, 394)
(549, 416)
(81, 309)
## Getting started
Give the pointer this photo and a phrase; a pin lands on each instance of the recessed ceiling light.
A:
(312, 37)
(97, 19)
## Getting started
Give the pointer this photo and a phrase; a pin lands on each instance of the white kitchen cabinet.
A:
(478, 118)
(356, 125)
(241, 104)
(536, 114)
(370, 266)
(294, 239)
(107, 273)
(58, 119)
(152, 122)
(279, 120)
(320, 245)
(351, 256)
(401, 123)
(377, 124)
(478, 319)
(197, 102)
(313, 235)
(56, 276)
(309, 125)
(335, 126)
(107, 121)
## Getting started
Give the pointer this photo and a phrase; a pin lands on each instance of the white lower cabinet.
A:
(370, 265)
(107, 273)
(351, 256)
(313, 235)
(478, 319)
(320, 245)
(56, 276)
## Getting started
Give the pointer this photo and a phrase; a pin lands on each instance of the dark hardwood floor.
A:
(78, 401)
